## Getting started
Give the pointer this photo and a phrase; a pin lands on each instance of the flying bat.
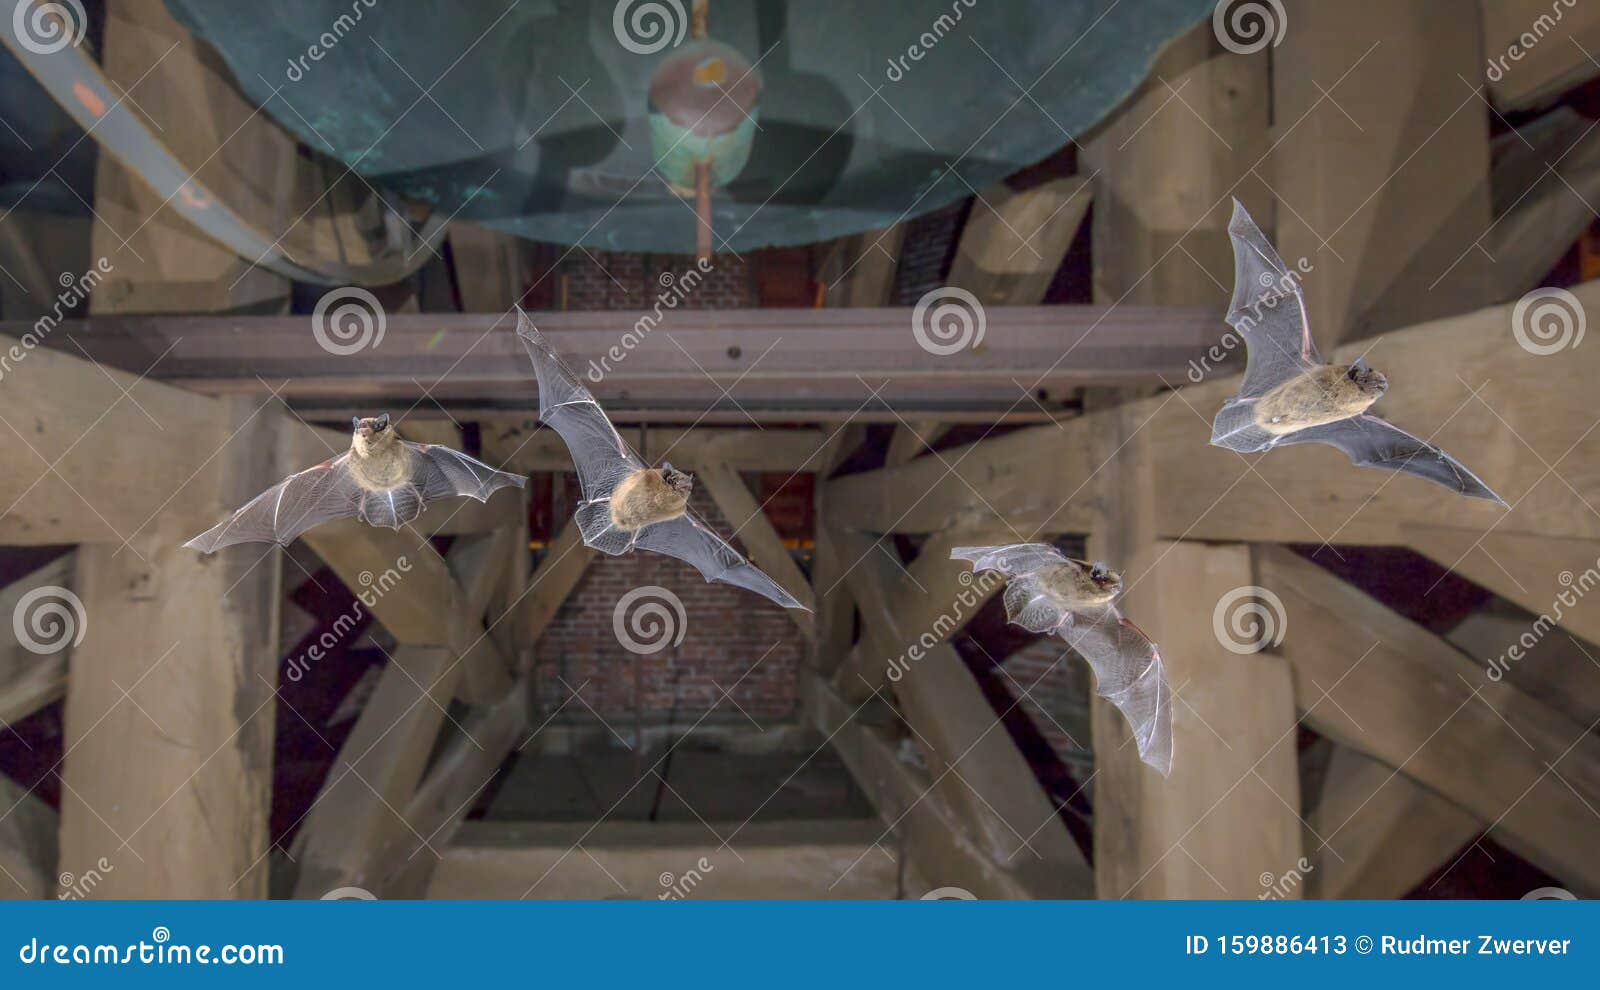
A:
(1049, 592)
(627, 504)
(1290, 395)
(381, 480)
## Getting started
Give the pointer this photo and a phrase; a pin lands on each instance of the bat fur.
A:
(650, 496)
(1322, 395)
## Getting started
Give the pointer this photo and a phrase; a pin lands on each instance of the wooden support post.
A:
(491, 267)
(1013, 242)
(1382, 162)
(558, 573)
(761, 538)
(1230, 812)
(860, 269)
(170, 706)
(1424, 708)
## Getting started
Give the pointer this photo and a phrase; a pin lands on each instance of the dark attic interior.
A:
(862, 289)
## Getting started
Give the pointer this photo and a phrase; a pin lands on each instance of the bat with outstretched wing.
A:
(1049, 592)
(1290, 395)
(627, 504)
(381, 480)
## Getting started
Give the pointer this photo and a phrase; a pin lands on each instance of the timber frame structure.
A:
(125, 460)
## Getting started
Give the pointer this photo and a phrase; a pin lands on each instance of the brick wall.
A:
(626, 280)
(733, 639)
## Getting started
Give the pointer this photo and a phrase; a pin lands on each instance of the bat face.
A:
(367, 426)
(1290, 395)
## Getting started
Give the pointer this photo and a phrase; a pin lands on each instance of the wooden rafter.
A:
(1374, 681)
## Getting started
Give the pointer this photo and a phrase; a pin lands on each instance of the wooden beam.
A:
(1535, 49)
(1383, 162)
(27, 845)
(668, 861)
(170, 706)
(564, 564)
(1525, 433)
(1545, 175)
(1013, 242)
(911, 439)
(860, 269)
(1520, 765)
(936, 835)
(1520, 567)
(360, 809)
(752, 527)
(479, 565)
(70, 479)
(490, 267)
(468, 760)
(1391, 832)
(1031, 479)
(972, 758)
(1558, 669)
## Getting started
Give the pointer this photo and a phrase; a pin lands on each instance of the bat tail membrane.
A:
(392, 508)
(1235, 428)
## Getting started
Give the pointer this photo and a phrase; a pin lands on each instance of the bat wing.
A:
(305, 499)
(1268, 309)
(1370, 441)
(1012, 561)
(438, 471)
(1129, 674)
(599, 454)
(689, 539)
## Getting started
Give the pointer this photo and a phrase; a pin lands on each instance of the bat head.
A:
(367, 426)
(1106, 579)
(1369, 381)
(681, 481)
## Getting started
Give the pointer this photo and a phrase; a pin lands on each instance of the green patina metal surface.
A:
(532, 116)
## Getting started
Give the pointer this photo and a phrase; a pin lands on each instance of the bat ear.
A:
(1099, 570)
(355, 423)
(383, 421)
